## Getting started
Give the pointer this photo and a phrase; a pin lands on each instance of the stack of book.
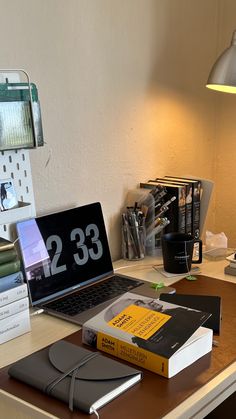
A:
(231, 268)
(14, 301)
(9, 260)
(184, 213)
(193, 190)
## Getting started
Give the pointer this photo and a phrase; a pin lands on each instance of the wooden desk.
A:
(46, 330)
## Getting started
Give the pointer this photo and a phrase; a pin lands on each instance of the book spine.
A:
(13, 308)
(128, 352)
(7, 256)
(176, 212)
(13, 294)
(11, 280)
(188, 211)
(10, 268)
(5, 245)
(196, 209)
(14, 326)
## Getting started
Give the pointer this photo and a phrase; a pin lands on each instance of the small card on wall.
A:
(8, 198)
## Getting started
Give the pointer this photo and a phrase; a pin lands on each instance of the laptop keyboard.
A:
(90, 297)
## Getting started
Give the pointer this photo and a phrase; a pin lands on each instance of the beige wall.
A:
(121, 84)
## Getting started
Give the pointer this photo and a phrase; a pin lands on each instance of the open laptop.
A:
(66, 258)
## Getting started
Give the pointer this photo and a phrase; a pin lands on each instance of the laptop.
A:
(68, 265)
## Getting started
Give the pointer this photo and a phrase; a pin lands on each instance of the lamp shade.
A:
(223, 74)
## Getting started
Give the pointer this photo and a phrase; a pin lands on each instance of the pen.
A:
(136, 234)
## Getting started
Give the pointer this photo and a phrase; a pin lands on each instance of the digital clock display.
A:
(64, 250)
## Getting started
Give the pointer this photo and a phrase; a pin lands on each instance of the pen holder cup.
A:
(133, 242)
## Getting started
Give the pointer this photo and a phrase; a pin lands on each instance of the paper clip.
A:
(158, 285)
(191, 278)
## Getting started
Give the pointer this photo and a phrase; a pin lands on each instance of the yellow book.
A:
(130, 353)
(158, 336)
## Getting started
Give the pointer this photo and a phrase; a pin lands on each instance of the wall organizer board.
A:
(21, 130)
(15, 165)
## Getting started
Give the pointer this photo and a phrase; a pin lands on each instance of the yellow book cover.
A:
(153, 334)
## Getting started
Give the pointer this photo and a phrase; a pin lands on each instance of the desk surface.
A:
(46, 330)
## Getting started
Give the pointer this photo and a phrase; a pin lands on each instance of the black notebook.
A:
(208, 303)
(84, 379)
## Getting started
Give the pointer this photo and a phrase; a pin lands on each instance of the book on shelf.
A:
(196, 201)
(12, 288)
(9, 268)
(5, 244)
(8, 256)
(188, 202)
(176, 211)
(14, 326)
(159, 336)
(14, 308)
(94, 380)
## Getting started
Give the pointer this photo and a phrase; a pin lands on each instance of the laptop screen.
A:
(64, 251)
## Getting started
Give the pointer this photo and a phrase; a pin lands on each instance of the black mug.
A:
(177, 251)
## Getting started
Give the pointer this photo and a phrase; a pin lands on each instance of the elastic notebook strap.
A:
(73, 370)
(72, 389)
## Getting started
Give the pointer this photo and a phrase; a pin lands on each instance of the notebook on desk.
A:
(75, 278)
(209, 303)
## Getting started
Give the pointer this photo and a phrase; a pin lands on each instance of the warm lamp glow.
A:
(222, 88)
